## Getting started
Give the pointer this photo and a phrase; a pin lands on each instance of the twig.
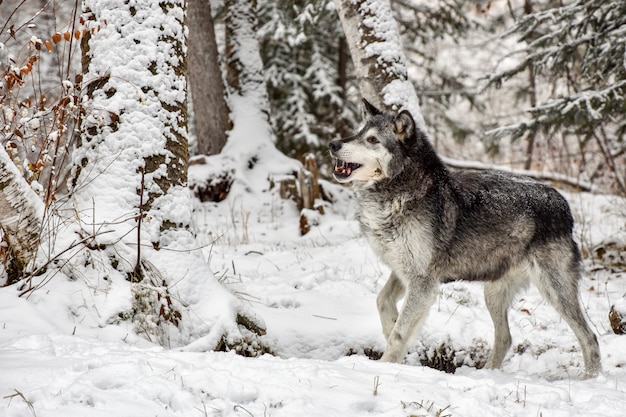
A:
(137, 270)
(43, 267)
(239, 407)
(20, 395)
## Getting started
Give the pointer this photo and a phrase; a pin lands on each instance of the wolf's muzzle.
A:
(335, 146)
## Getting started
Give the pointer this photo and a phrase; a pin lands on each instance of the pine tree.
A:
(576, 51)
(302, 48)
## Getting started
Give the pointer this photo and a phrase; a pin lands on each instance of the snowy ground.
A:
(317, 296)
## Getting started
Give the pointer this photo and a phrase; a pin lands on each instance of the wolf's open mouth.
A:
(344, 169)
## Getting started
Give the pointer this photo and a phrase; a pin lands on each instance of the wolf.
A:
(431, 225)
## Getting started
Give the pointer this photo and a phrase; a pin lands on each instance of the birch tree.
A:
(21, 216)
(376, 50)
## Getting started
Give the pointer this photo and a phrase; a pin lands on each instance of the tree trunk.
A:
(129, 185)
(247, 92)
(376, 50)
(205, 80)
(244, 67)
(532, 98)
(134, 130)
(21, 214)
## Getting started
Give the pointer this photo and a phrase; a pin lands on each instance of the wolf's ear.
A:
(404, 126)
(370, 109)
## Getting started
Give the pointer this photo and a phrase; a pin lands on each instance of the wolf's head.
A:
(379, 150)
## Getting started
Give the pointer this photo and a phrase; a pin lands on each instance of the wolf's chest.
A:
(399, 236)
(381, 220)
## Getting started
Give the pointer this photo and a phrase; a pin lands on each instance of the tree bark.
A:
(205, 80)
(532, 98)
(130, 172)
(134, 130)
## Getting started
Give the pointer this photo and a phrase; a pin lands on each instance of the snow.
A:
(316, 294)
(67, 350)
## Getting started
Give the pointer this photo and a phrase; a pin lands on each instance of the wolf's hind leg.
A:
(560, 288)
(387, 303)
(498, 297)
(420, 295)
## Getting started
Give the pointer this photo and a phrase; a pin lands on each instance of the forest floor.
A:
(316, 294)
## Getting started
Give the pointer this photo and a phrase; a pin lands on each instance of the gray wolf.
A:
(431, 225)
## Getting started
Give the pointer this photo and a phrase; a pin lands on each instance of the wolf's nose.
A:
(334, 145)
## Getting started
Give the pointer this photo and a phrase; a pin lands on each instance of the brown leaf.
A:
(64, 101)
(56, 38)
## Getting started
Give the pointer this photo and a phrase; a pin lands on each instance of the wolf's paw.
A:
(391, 357)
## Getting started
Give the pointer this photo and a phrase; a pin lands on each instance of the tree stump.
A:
(617, 317)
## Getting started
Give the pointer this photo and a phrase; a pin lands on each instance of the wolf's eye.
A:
(373, 140)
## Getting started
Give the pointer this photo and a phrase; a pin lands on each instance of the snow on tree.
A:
(21, 217)
(434, 34)
(129, 191)
(377, 55)
(244, 75)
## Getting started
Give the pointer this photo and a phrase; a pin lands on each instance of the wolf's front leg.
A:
(387, 303)
(420, 295)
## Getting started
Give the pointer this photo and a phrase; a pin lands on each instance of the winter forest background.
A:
(165, 193)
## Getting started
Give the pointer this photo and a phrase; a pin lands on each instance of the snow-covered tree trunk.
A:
(376, 50)
(205, 80)
(131, 165)
(21, 214)
(129, 184)
(244, 67)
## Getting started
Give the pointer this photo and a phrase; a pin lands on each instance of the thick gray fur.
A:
(431, 225)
